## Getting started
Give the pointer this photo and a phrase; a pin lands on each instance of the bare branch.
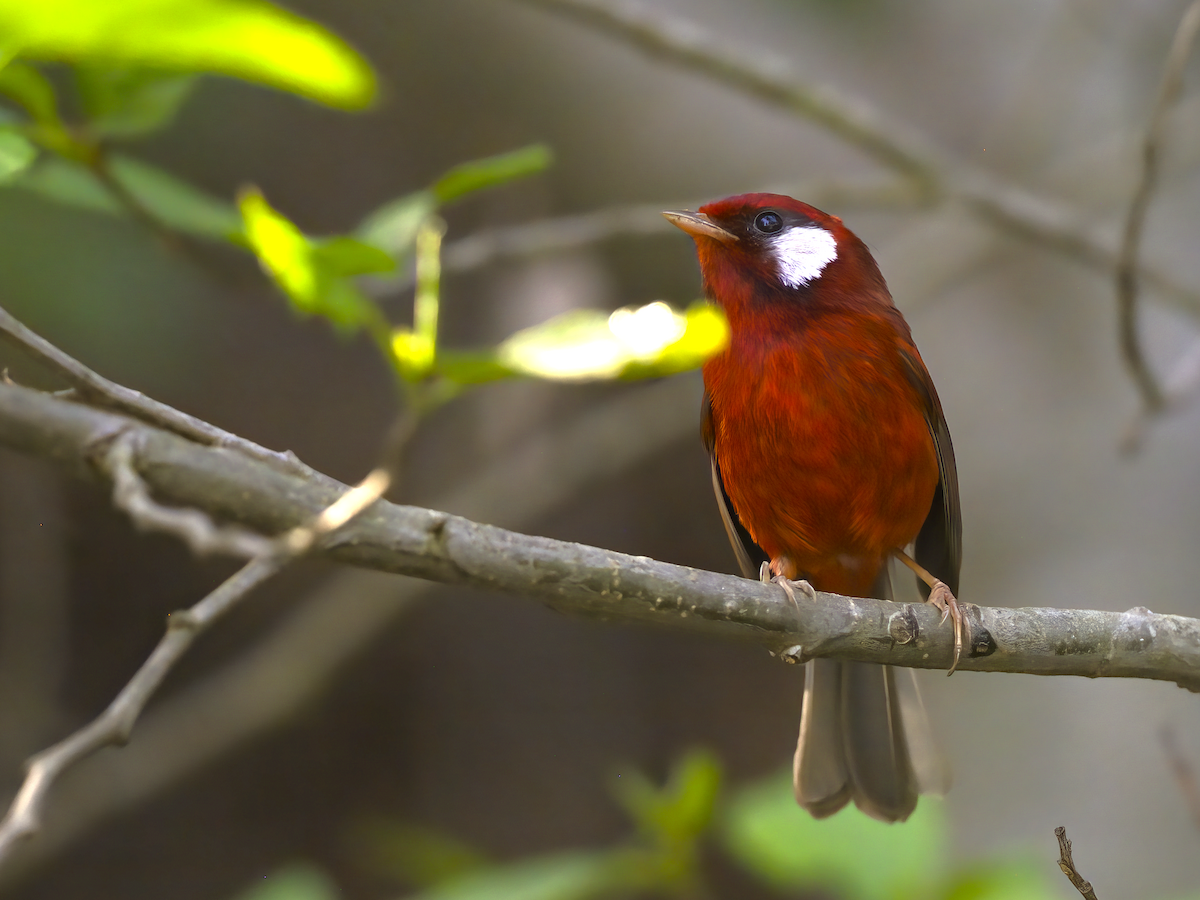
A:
(681, 42)
(291, 667)
(116, 722)
(599, 583)
(194, 528)
(99, 390)
(268, 558)
(1180, 389)
(1131, 241)
(761, 75)
(559, 234)
(1067, 864)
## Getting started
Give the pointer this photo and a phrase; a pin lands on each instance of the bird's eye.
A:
(768, 222)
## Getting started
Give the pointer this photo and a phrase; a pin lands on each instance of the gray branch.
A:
(293, 664)
(603, 584)
(1153, 397)
(770, 79)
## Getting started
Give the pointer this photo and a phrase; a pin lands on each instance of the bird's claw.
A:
(789, 585)
(942, 599)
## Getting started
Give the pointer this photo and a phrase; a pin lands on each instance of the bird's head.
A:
(770, 255)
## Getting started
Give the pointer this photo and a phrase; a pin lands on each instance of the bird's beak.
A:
(698, 224)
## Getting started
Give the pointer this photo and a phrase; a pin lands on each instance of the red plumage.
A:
(830, 454)
(819, 435)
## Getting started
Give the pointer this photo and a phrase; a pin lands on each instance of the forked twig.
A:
(1153, 397)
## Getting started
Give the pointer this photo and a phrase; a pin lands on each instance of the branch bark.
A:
(291, 667)
(770, 79)
(607, 585)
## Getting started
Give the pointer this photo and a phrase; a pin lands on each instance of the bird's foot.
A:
(789, 585)
(942, 599)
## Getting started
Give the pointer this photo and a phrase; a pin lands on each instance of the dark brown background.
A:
(492, 717)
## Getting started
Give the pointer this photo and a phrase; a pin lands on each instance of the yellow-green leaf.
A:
(298, 881)
(491, 172)
(166, 197)
(849, 854)
(249, 39)
(16, 154)
(633, 342)
(127, 101)
(281, 248)
(393, 226)
(294, 262)
(28, 87)
(349, 256)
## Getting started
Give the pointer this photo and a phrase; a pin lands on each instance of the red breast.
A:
(819, 432)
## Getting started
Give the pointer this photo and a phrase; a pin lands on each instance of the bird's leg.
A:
(940, 597)
(785, 570)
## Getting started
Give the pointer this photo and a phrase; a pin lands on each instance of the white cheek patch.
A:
(802, 253)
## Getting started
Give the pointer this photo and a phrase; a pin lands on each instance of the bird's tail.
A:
(864, 739)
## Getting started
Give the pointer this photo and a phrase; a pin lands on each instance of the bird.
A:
(830, 455)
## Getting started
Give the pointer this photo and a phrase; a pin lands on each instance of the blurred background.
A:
(491, 718)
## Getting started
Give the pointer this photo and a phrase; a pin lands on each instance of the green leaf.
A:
(298, 881)
(16, 154)
(564, 876)
(70, 184)
(393, 227)
(415, 854)
(127, 101)
(468, 367)
(633, 342)
(849, 854)
(248, 39)
(682, 809)
(491, 172)
(348, 256)
(175, 202)
(292, 260)
(32, 90)
(172, 201)
(1020, 879)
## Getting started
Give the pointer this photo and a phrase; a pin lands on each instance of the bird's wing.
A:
(939, 543)
(750, 556)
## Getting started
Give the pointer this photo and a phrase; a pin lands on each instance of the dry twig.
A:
(269, 557)
(1050, 224)
(1127, 260)
(1067, 864)
(292, 666)
(95, 388)
(202, 536)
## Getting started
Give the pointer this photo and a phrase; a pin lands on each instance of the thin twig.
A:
(291, 668)
(559, 234)
(1131, 241)
(1180, 389)
(1185, 775)
(95, 388)
(1067, 864)
(116, 723)
(760, 74)
(194, 528)
(1050, 224)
